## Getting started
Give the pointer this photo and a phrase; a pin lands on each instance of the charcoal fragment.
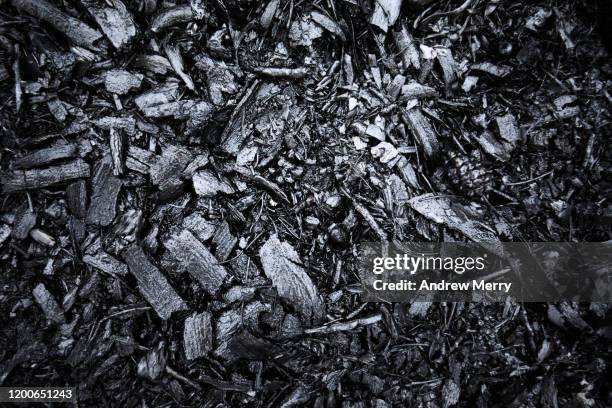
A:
(115, 21)
(19, 180)
(106, 263)
(5, 232)
(120, 81)
(152, 284)
(423, 131)
(508, 128)
(224, 241)
(48, 304)
(79, 32)
(191, 256)
(207, 184)
(197, 335)
(106, 188)
(407, 48)
(283, 266)
(41, 157)
(77, 198)
(25, 220)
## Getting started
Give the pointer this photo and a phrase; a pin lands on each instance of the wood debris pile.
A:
(186, 184)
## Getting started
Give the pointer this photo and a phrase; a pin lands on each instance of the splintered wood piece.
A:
(198, 335)
(422, 130)
(19, 180)
(232, 321)
(116, 22)
(174, 56)
(152, 284)
(200, 161)
(490, 145)
(407, 48)
(273, 72)
(47, 155)
(328, 24)
(262, 182)
(395, 87)
(76, 194)
(233, 136)
(178, 110)
(282, 265)
(154, 63)
(450, 212)
(106, 263)
(79, 32)
(268, 14)
(414, 90)
(382, 235)
(224, 241)
(385, 13)
(139, 159)
(407, 173)
(162, 94)
(106, 187)
(449, 68)
(48, 304)
(118, 151)
(118, 123)
(191, 256)
(165, 170)
(170, 16)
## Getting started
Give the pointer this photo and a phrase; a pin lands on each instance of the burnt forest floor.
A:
(186, 186)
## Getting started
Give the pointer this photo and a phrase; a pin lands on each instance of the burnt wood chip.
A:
(5, 232)
(198, 335)
(191, 256)
(79, 32)
(48, 304)
(114, 19)
(207, 184)
(165, 169)
(508, 128)
(76, 194)
(449, 68)
(407, 48)
(25, 220)
(59, 151)
(152, 284)
(19, 180)
(106, 187)
(282, 265)
(106, 263)
(224, 241)
(423, 131)
(118, 151)
(202, 229)
(185, 198)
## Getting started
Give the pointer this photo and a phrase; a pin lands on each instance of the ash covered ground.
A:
(186, 185)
